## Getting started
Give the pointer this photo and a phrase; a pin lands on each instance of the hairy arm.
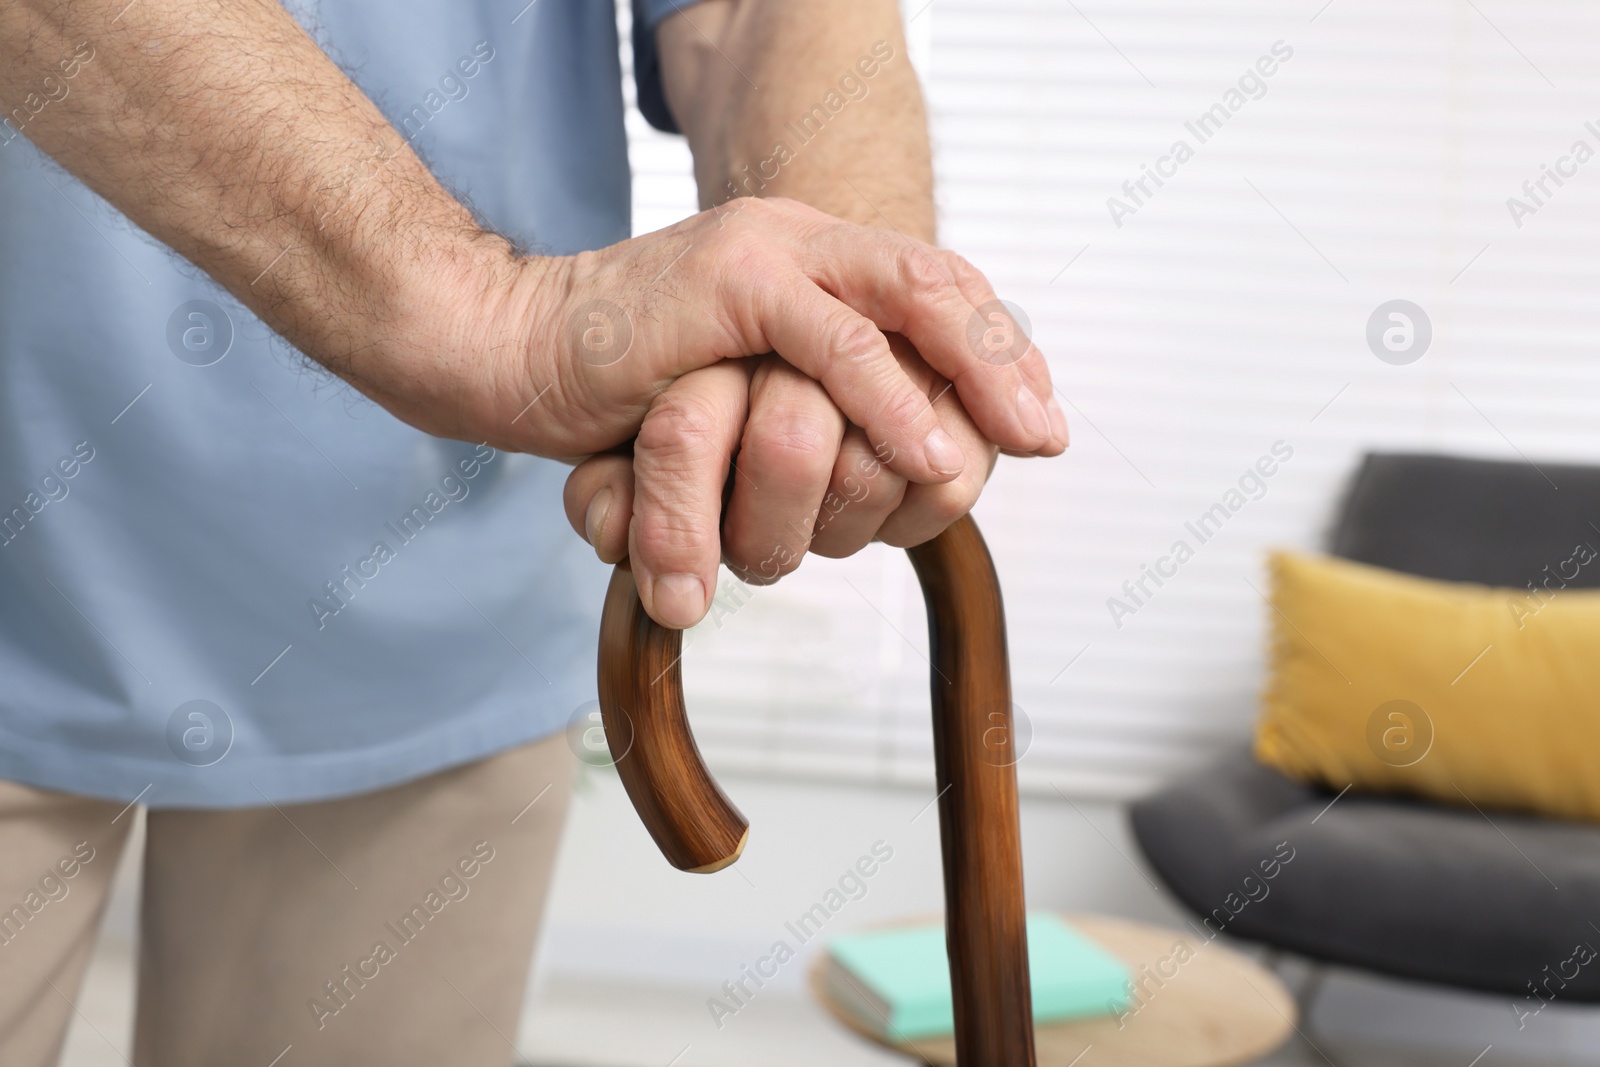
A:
(220, 128)
(817, 102)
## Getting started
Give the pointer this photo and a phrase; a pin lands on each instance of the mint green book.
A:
(896, 982)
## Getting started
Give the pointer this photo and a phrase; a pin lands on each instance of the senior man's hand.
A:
(802, 480)
(575, 351)
(741, 78)
(841, 436)
(224, 131)
(844, 439)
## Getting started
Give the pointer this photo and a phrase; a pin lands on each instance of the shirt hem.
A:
(301, 779)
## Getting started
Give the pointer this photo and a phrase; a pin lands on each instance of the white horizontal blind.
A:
(1227, 313)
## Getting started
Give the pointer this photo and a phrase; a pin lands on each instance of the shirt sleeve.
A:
(647, 15)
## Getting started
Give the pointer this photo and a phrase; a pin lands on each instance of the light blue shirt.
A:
(227, 577)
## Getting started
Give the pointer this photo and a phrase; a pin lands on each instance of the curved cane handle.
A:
(697, 829)
(647, 730)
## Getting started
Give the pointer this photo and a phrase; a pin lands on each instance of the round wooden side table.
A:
(1198, 1004)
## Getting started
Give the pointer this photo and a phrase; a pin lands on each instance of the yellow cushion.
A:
(1461, 693)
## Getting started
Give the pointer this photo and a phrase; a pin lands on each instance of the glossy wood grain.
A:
(647, 730)
(698, 829)
(974, 749)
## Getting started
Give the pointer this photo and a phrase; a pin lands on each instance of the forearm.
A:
(222, 130)
(225, 132)
(816, 102)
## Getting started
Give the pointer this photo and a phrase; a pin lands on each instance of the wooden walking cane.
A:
(698, 829)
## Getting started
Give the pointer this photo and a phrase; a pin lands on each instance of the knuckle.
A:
(671, 501)
(763, 208)
(921, 271)
(841, 541)
(930, 515)
(671, 536)
(794, 442)
(960, 268)
(896, 538)
(677, 429)
(743, 221)
(795, 216)
(669, 520)
(738, 555)
(742, 254)
(782, 564)
(736, 211)
(856, 339)
(749, 280)
(882, 494)
(906, 534)
(863, 482)
(907, 408)
(952, 501)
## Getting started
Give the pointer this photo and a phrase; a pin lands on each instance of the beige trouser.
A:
(391, 928)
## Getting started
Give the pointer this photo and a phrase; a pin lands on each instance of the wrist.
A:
(443, 352)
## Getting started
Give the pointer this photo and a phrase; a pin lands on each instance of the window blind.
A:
(1207, 211)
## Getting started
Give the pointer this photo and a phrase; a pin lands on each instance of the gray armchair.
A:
(1487, 901)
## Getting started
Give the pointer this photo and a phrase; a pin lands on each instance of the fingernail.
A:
(594, 520)
(1032, 413)
(944, 455)
(679, 600)
(1058, 423)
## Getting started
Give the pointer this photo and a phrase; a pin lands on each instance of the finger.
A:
(848, 354)
(996, 336)
(599, 502)
(861, 496)
(1002, 338)
(1058, 420)
(680, 462)
(1036, 371)
(786, 460)
(940, 394)
(999, 358)
(927, 510)
(909, 287)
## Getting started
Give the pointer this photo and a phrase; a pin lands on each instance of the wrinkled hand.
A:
(842, 440)
(573, 352)
(804, 479)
